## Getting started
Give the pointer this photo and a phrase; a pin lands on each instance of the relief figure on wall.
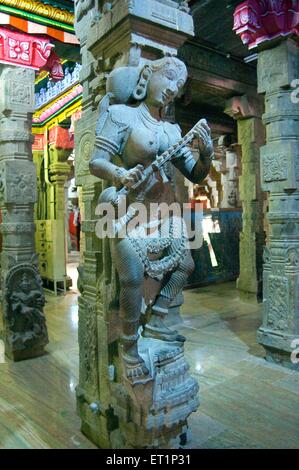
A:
(24, 306)
(136, 134)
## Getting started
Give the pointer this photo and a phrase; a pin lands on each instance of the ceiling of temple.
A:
(217, 69)
(213, 24)
(215, 58)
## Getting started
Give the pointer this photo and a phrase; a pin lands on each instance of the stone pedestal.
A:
(153, 413)
(278, 66)
(115, 412)
(25, 330)
(251, 135)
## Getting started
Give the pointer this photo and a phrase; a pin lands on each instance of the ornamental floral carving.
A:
(278, 303)
(18, 49)
(23, 49)
(257, 21)
(275, 168)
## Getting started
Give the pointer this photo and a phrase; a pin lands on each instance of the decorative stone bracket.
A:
(257, 21)
(23, 49)
(29, 51)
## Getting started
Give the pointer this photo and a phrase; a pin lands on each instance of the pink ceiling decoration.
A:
(257, 21)
(61, 138)
(23, 49)
(54, 67)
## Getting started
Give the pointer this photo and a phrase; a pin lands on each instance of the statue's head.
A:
(160, 81)
(25, 283)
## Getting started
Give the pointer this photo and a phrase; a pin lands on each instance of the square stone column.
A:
(278, 66)
(25, 332)
(271, 29)
(251, 136)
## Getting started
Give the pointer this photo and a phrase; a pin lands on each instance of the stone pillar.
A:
(51, 151)
(280, 176)
(251, 135)
(61, 145)
(278, 67)
(228, 167)
(25, 330)
(114, 413)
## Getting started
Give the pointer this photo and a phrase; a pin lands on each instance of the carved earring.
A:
(140, 91)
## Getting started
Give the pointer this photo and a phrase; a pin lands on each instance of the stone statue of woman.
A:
(136, 133)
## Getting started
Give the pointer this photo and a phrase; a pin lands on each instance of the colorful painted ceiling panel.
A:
(58, 106)
(51, 90)
(40, 11)
(36, 28)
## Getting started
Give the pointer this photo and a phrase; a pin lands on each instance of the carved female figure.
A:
(26, 304)
(137, 134)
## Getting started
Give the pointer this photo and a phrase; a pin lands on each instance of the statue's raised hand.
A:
(203, 132)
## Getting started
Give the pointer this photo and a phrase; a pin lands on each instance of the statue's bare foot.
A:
(157, 329)
(135, 365)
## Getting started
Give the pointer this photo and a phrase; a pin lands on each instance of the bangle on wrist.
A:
(119, 173)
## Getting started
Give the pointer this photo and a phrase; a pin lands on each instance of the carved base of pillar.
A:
(148, 412)
(278, 347)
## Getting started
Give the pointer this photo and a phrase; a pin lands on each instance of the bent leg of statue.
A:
(131, 275)
(173, 285)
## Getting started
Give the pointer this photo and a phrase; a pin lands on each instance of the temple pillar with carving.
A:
(274, 35)
(25, 331)
(251, 136)
(114, 413)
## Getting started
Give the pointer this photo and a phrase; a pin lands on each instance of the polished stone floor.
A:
(245, 402)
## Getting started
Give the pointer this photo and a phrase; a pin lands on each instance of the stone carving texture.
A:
(85, 148)
(275, 168)
(83, 7)
(19, 181)
(88, 349)
(23, 310)
(278, 298)
(17, 228)
(293, 258)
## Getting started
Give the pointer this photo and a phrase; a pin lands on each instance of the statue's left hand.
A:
(204, 137)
